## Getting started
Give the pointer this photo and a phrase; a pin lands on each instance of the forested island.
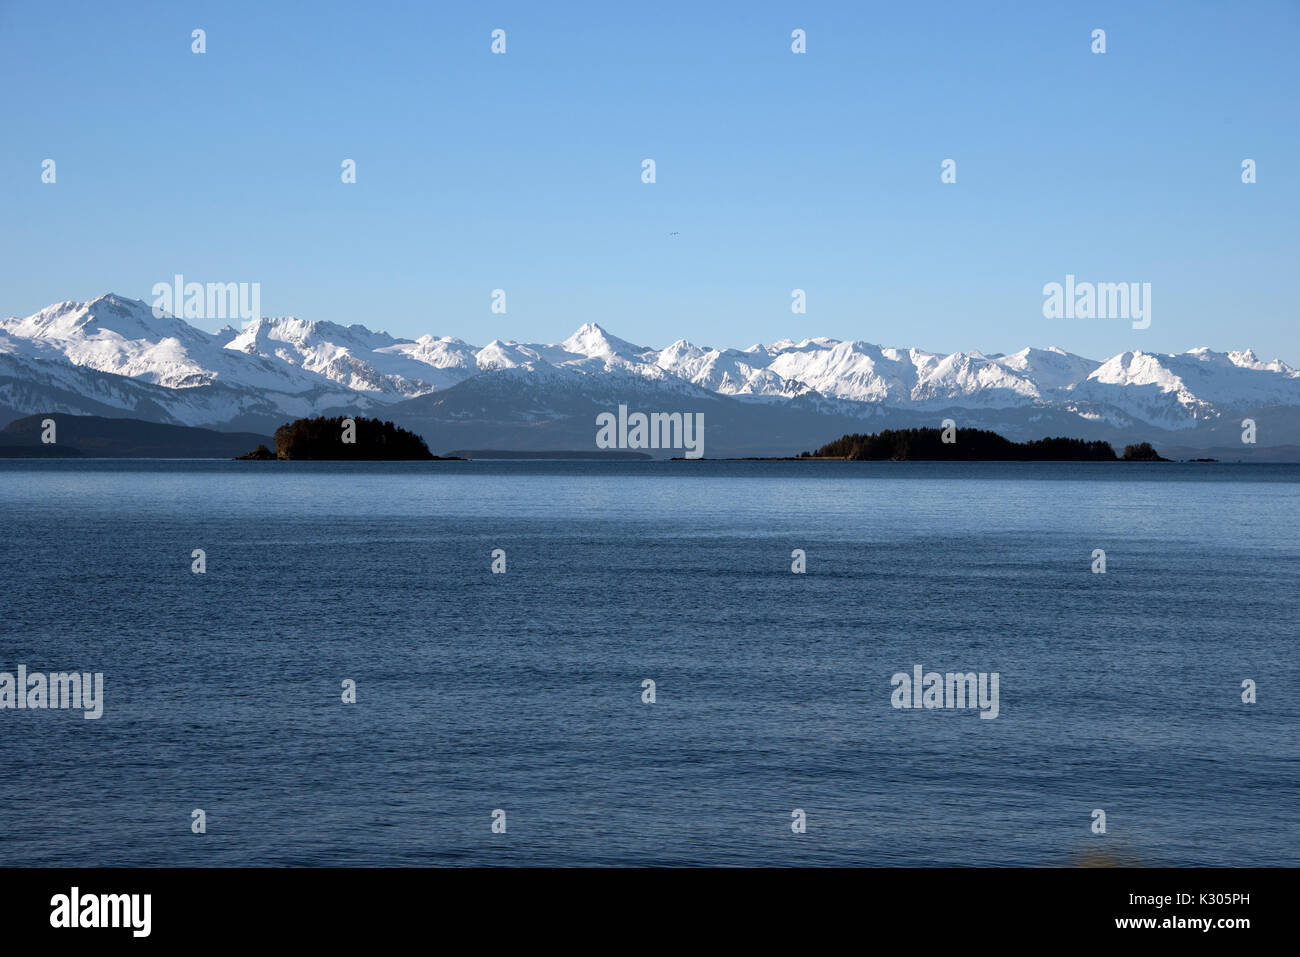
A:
(346, 439)
(973, 445)
(359, 439)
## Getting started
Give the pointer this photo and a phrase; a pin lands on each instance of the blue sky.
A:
(777, 171)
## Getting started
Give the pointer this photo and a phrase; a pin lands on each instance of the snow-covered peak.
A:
(123, 337)
(1050, 369)
(593, 341)
(499, 354)
(107, 317)
(1242, 360)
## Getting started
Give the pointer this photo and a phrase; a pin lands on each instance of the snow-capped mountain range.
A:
(112, 356)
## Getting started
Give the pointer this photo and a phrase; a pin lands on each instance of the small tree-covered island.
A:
(973, 445)
(345, 439)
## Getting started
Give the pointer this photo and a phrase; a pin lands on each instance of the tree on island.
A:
(344, 439)
(971, 445)
(1142, 452)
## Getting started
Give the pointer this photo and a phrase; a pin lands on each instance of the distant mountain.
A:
(112, 357)
(99, 437)
(22, 447)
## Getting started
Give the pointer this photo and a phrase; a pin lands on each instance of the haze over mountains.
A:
(112, 357)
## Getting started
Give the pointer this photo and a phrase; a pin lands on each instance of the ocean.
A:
(523, 692)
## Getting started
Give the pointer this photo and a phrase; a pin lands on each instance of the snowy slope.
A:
(122, 336)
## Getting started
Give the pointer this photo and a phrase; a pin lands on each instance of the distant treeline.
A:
(972, 445)
(344, 438)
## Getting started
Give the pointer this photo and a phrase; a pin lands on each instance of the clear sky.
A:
(776, 171)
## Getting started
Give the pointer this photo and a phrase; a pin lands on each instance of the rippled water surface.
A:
(522, 691)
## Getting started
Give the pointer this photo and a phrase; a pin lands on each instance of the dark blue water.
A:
(522, 691)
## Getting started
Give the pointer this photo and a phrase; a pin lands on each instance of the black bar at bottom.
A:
(649, 908)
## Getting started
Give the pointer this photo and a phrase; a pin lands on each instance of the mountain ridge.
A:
(114, 354)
